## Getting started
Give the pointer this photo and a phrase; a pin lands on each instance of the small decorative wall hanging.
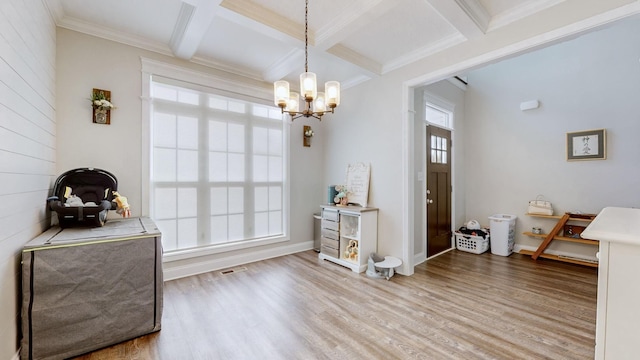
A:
(587, 145)
(307, 133)
(101, 104)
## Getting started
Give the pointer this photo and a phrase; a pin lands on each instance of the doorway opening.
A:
(437, 196)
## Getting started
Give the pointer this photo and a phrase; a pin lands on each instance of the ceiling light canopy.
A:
(316, 103)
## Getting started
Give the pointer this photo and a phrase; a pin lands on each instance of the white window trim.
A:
(442, 105)
(259, 93)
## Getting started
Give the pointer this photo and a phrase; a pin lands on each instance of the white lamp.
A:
(308, 86)
(319, 105)
(332, 91)
(281, 93)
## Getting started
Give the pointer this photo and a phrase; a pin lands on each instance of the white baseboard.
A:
(419, 258)
(201, 265)
(517, 248)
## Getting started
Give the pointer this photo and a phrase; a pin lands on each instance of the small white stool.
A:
(387, 265)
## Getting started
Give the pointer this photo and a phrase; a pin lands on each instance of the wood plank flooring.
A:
(456, 306)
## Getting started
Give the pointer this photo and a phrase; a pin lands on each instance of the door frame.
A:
(410, 169)
(445, 106)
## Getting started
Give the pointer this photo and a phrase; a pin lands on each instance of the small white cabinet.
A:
(618, 314)
(349, 235)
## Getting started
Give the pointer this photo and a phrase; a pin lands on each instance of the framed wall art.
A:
(587, 145)
(358, 176)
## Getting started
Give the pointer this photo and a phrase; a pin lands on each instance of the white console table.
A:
(618, 313)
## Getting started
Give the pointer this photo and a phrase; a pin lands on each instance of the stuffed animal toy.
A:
(122, 205)
(73, 200)
(351, 252)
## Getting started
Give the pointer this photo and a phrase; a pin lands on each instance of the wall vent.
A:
(233, 270)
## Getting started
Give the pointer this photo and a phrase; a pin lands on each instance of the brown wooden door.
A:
(438, 190)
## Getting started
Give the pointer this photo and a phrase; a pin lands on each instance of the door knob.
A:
(428, 192)
(429, 201)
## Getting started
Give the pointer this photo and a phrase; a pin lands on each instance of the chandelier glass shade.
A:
(315, 104)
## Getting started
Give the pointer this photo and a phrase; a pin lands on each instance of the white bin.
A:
(503, 233)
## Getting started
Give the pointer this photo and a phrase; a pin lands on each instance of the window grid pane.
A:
(217, 172)
(438, 150)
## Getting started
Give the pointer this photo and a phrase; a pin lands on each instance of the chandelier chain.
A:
(306, 39)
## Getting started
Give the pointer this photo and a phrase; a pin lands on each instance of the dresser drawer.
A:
(331, 225)
(331, 234)
(329, 251)
(331, 215)
(334, 244)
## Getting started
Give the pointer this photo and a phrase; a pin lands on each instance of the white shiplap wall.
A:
(27, 144)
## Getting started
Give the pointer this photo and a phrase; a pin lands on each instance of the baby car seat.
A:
(83, 196)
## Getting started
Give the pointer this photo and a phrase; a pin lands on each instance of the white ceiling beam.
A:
(273, 25)
(263, 20)
(193, 22)
(469, 17)
(257, 18)
(423, 52)
(365, 63)
(476, 12)
(258, 27)
(521, 11)
(354, 18)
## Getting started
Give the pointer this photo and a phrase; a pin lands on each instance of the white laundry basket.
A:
(503, 233)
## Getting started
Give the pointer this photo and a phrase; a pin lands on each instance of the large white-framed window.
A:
(218, 167)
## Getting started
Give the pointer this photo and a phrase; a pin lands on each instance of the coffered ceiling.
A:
(349, 40)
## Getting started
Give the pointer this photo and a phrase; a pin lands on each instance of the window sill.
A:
(178, 255)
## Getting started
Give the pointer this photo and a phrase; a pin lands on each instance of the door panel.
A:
(438, 210)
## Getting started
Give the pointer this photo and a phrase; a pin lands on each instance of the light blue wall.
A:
(590, 82)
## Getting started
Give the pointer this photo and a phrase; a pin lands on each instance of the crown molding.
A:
(351, 82)
(520, 12)
(423, 52)
(116, 36)
(220, 81)
(232, 69)
(55, 9)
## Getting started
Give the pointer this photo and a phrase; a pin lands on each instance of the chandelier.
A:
(316, 103)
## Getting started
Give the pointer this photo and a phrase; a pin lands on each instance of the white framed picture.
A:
(358, 176)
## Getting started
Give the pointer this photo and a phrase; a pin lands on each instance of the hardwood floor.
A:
(456, 306)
